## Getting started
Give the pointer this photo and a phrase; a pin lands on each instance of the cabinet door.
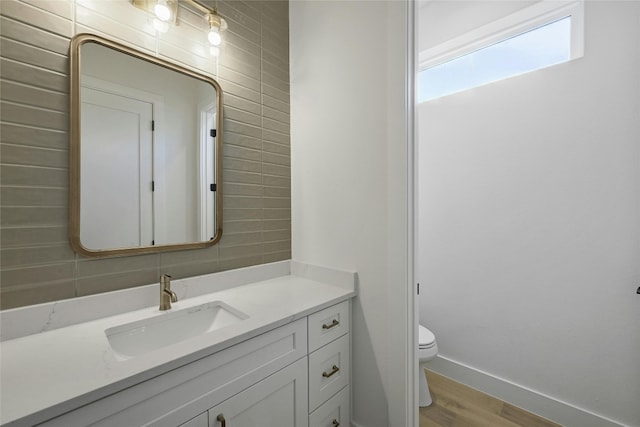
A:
(280, 400)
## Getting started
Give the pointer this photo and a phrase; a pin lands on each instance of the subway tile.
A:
(277, 256)
(235, 226)
(240, 85)
(276, 104)
(240, 251)
(242, 128)
(246, 11)
(276, 181)
(277, 137)
(276, 159)
(276, 235)
(229, 86)
(277, 84)
(277, 224)
(280, 246)
(30, 275)
(276, 202)
(33, 36)
(18, 237)
(275, 148)
(277, 116)
(25, 135)
(36, 294)
(32, 116)
(277, 214)
(242, 165)
(233, 189)
(36, 17)
(237, 140)
(241, 177)
(116, 281)
(33, 216)
(13, 175)
(89, 267)
(275, 126)
(241, 62)
(275, 76)
(234, 151)
(31, 55)
(236, 39)
(62, 8)
(237, 239)
(35, 255)
(241, 214)
(239, 262)
(273, 92)
(34, 196)
(200, 256)
(270, 169)
(116, 20)
(236, 115)
(281, 63)
(241, 202)
(34, 156)
(242, 104)
(35, 97)
(34, 76)
(181, 271)
(277, 192)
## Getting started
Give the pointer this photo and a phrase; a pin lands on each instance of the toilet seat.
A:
(426, 339)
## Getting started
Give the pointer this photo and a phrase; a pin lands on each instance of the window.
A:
(536, 37)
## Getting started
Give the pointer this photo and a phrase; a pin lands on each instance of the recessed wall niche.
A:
(36, 260)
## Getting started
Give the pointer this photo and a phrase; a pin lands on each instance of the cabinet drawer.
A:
(327, 325)
(333, 413)
(328, 371)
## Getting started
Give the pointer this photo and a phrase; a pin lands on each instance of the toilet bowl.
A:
(427, 350)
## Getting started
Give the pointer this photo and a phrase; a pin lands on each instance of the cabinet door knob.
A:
(334, 370)
(335, 423)
(221, 420)
(333, 324)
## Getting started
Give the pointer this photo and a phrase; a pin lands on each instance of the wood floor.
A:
(456, 405)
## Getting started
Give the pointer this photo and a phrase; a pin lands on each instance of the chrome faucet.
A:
(167, 296)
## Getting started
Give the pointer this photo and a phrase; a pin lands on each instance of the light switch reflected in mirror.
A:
(145, 154)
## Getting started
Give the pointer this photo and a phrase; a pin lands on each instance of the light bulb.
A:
(214, 37)
(162, 11)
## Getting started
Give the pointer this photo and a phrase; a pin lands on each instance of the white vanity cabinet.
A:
(329, 364)
(296, 375)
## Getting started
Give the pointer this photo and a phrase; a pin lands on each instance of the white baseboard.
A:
(529, 400)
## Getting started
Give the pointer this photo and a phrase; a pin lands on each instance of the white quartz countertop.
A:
(48, 373)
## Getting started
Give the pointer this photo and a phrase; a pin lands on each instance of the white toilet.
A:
(427, 350)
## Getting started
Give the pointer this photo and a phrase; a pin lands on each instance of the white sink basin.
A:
(142, 336)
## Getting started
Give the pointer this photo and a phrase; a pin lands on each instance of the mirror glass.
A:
(146, 152)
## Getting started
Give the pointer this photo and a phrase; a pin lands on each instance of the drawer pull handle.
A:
(223, 422)
(333, 324)
(335, 423)
(334, 370)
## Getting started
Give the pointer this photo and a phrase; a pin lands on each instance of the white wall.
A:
(348, 151)
(530, 223)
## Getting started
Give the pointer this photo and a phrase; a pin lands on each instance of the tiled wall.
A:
(37, 263)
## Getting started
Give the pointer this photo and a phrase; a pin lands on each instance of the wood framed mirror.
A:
(145, 155)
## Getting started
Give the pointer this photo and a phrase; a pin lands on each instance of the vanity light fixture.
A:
(166, 11)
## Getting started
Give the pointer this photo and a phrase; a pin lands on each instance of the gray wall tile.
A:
(36, 261)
